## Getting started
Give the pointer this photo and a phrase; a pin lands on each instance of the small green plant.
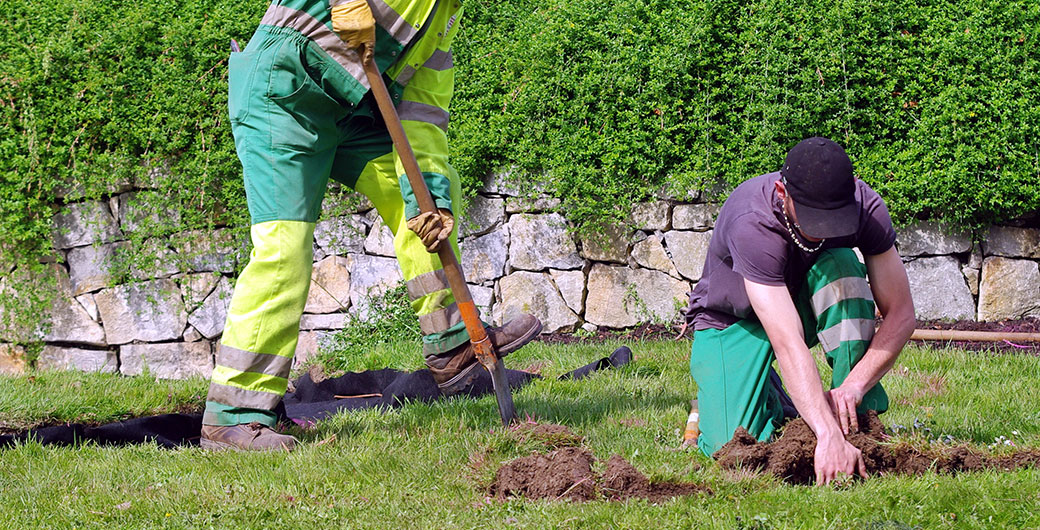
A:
(366, 342)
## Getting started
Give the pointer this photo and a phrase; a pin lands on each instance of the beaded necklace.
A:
(794, 237)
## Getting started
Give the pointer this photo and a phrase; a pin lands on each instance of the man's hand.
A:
(835, 456)
(843, 402)
(353, 22)
(433, 228)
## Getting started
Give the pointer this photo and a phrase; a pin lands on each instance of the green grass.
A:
(426, 465)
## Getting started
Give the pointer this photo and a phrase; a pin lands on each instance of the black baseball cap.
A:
(818, 177)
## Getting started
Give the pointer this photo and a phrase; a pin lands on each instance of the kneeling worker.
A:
(781, 277)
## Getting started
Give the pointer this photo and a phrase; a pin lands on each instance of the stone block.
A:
(939, 290)
(86, 301)
(650, 253)
(571, 285)
(62, 358)
(484, 298)
(927, 238)
(196, 287)
(651, 215)
(620, 297)
(145, 209)
(482, 215)
(89, 266)
(1009, 289)
(611, 245)
(85, 223)
(160, 261)
(535, 294)
(342, 235)
(171, 360)
(972, 277)
(149, 312)
(1012, 242)
(370, 277)
(697, 217)
(330, 286)
(217, 251)
(210, 317)
(12, 359)
(688, 250)
(380, 240)
(326, 321)
(69, 321)
(484, 257)
(308, 344)
(541, 241)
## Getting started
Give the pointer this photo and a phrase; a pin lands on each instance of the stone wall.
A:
(517, 254)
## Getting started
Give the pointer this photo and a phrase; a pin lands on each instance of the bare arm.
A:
(779, 318)
(891, 290)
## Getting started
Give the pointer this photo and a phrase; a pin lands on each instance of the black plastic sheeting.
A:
(310, 402)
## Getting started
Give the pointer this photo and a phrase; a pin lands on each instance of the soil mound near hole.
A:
(791, 456)
(567, 474)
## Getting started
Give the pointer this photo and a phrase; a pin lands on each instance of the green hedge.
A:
(936, 101)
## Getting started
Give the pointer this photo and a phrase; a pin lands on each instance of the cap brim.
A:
(822, 224)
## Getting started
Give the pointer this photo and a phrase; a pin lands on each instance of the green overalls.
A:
(731, 366)
(301, 112)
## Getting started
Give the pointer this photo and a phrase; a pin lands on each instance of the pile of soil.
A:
(791, 456)
(566, 473)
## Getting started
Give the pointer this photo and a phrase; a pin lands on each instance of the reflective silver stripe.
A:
(257, 363)
(406, 75)
(415, 111)
(849, 329)
(313, 29)
(239, 397)
(427, 283)
(440, 320)
(841, 289)
(397, 27)
(439, 61)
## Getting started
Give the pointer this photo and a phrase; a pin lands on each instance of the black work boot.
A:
(245, 437)
(455, 370)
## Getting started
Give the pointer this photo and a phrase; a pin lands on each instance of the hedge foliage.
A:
(937, 102)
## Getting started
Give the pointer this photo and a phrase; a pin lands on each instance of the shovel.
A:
(485, 351)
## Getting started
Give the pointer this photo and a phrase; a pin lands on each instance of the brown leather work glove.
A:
(353, 22)
(433, 228)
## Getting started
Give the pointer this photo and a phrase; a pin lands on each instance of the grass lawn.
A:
(427, 466)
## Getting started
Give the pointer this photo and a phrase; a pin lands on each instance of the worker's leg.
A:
(285, 134)
(731, 368)
(359, 163)
(837, 306)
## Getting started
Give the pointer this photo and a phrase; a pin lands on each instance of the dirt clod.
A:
(791, 456)
(567, 473)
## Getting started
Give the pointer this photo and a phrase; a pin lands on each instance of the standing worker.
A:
(301, 112)
(781, 276)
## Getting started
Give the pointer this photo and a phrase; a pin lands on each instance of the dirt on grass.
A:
(565, 473)
(791, 456)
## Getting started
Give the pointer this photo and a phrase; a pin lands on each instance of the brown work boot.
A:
(456, 370)
(245, 437)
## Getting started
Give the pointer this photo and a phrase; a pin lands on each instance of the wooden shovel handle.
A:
(477, 335)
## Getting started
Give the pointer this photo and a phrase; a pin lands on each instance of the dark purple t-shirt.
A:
(751, 241)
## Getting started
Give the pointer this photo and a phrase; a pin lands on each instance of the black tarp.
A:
(309, 402)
